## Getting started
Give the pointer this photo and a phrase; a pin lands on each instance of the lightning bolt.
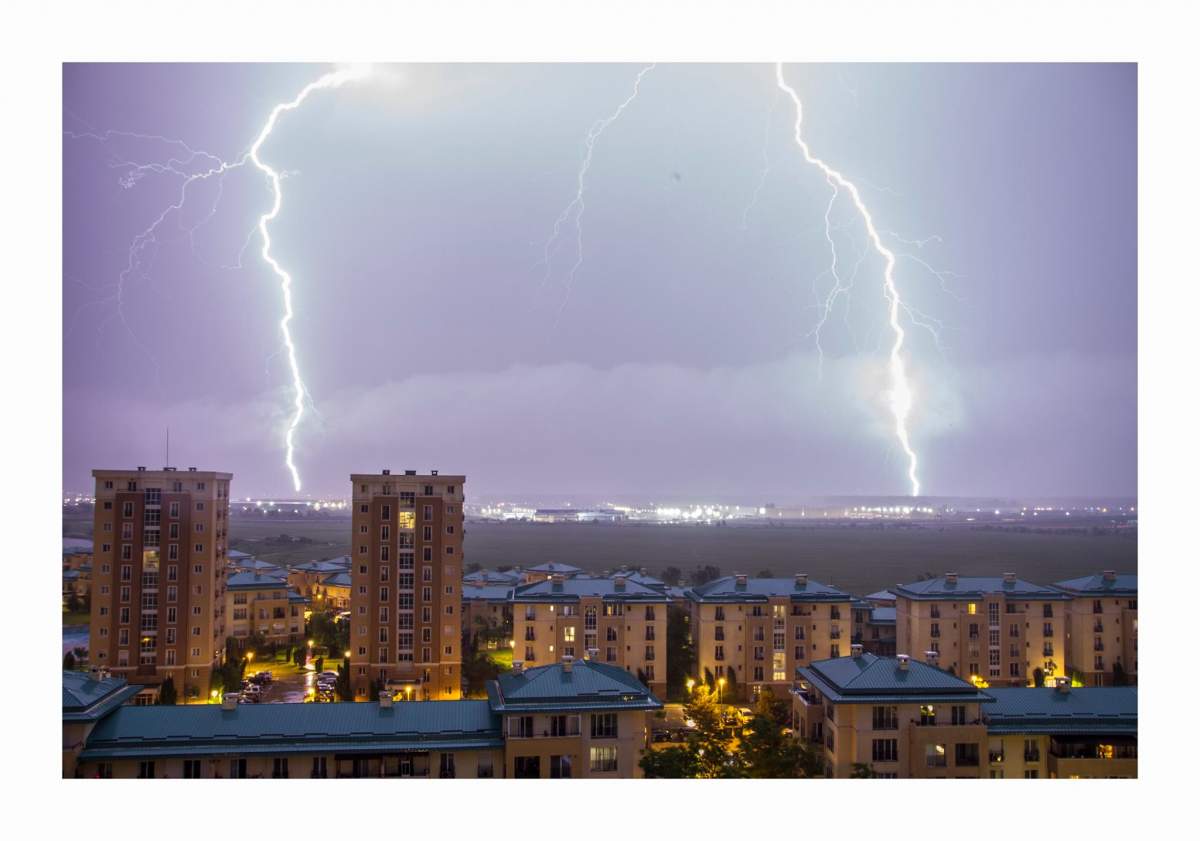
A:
(576, 204)
(195, 165)
(900, 394)
(334, 79)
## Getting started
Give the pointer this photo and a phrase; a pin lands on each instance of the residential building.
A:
(487, 604)
(493, 577)
(1062, 732)
(87, 698)
(891, 716)
(263, 605)
(569, 719)
(609, 620)
(334, 592)
(996, 630)
(879, 632)
(309, 577)
(158, 600)
(406, 578)
(754, 632)
(1102, 627)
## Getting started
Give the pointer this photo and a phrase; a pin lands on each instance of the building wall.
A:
(1113, 629)
(188, 554)
(286, 629)
(406, 526)
(631, 740)
(1020, 640)
(810, 632)
(620, 636)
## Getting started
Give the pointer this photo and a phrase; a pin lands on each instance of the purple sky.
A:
(416, 209)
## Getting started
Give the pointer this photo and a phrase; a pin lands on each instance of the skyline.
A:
(564, 403)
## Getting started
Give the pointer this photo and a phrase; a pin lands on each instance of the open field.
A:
(860, 559)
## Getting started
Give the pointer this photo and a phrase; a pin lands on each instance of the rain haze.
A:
(679, 360)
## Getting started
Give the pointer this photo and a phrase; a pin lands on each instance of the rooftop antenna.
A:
(167, 460)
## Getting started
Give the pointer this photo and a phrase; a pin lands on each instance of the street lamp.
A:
(690, 683)
(720, 686)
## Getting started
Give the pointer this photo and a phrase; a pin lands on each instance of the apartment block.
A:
(1102, 627)
(263, 605)
(158, 602)
(406, 579)
(891, 715)
(608, 620)
(997, 630)
(568, 719)
(755, 632)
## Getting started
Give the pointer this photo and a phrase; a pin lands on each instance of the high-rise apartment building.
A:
(158, 605)
(406, 585)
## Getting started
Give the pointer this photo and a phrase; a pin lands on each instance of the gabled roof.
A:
(1079, 711)
(553, 569)
(1097, 585)
(492, 593)
(255, 565)
(205, 729)
(761, 589)
(976, 587)
(881, 596)
(882, 616)
(86, 699)
(491, 576)
(255, 581)
(330, 565)
(640, 577)
(869, 678)
(237, 555)
(338, 579)
(572, 589)
(587, 685)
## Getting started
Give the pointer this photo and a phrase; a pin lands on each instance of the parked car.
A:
(660, 734)
(265, 676)
(330, 675)
(253, 689)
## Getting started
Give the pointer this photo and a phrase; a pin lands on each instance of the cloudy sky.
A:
(680, 363)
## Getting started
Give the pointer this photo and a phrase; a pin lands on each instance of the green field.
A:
(860, 559)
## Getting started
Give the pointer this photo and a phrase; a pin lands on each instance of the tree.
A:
(732, 689)
(1039, 677)
(478, 668)
(167, 696)
(319, 665)
(862, 771)
(764, 573)
(342, 686)
(299, 656)
(671, 576)
(681, 654)
(708, 740)
(703, 575)
(68, 662)
(674, 763)
(474, 566)
(1120, 678)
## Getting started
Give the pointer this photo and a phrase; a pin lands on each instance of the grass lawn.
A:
(502, 657)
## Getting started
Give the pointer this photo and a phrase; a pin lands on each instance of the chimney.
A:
(191, 470)
(229, 701)
(931, 657)
(952, 578)
(1010, 578)
(387, 473)
(856, 650)
(385, 699)
(518, 667)
(740, 581)
(801, 580)
(432, 472)
(1110, 575)
(567, 663)
(1062, 684)
(141, 469)
(902, 662)
(619, 583)
(556, 582)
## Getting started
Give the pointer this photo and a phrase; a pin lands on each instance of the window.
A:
(966, 754)
(958, 714)
(928, 715)
(935, 756)
(146, 769)
(520, 727)
(604, 726)
(560, 767)
(527, 767)
(191, 769)
(446, 766)
(279, 768)
(884, 750)
(1031, 775)
(884, 718)
(484, 767)
(603, 759)
(319, 770)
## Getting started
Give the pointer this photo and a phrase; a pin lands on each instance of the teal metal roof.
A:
(882, 616)
(1079, 711)
(761, 589)
(881, 596)
(553, 569)
(330, 565)
(487, 593)
(86, 699)
(255, 581)
(489, 576)
(639, 577)
(572, 589)
(293, 728)
(1097, 585)
(237, 555)
(338, 579)
(586, 686)
(977, 587)
(868, 677)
